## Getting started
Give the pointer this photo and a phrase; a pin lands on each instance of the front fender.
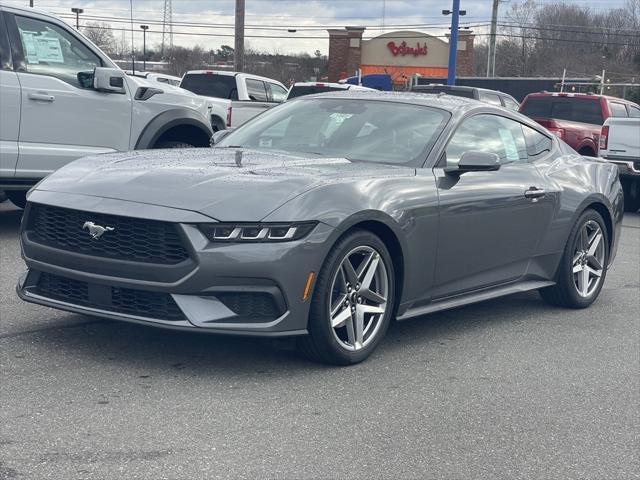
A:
(168, 120)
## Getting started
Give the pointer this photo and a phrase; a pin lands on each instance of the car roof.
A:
(446, 102)
(462, 88)
(590, 96)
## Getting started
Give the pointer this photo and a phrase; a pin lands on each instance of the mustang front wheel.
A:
(353, 301)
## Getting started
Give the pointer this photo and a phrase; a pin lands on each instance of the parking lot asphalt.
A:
(510, 388)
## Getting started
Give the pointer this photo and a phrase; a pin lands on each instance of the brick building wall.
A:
(345, 51)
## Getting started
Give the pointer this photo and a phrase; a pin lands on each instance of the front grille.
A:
(131, 239)
(250, 304)
(141, 303)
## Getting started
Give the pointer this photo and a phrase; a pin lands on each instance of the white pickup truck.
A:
(620, 144)
(241, 95)
(62, 98)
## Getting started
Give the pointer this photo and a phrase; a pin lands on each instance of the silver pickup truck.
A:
(620, 144)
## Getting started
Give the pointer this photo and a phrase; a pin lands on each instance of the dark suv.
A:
(576, 118)
(493, 97)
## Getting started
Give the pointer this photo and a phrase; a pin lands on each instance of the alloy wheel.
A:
(588, 258)
(358, 299)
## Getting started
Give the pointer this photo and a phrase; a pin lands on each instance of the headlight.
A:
(256, 232)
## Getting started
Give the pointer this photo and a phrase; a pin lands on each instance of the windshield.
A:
(575, 109)
(359, 130)
(211, 85)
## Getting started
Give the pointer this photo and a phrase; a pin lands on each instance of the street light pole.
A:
(453, 41)
(77, 11)
(144, 46)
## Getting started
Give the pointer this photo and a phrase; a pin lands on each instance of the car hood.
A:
(223, 183)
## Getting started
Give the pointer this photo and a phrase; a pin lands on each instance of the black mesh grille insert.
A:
(250, 304)
(132, 239)
(141, 303)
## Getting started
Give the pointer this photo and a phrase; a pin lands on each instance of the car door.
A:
(258, 102)
(9, 107)
(61, 121)
(490, 222)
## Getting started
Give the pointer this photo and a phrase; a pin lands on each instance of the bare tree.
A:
(102, 35)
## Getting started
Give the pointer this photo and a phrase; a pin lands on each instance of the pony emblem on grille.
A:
(96, 231)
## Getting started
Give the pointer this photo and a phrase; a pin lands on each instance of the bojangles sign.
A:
(404, 49)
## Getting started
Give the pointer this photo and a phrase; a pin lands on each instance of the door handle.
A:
(41, 97)
(534, 192)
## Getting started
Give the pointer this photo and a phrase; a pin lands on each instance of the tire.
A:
(3, 196)
(17, 197)
(581, 289)
(173, 144)
(374, 303)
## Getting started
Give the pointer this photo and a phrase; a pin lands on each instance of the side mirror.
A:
(219, 135)
(85, 79)
(475, 161)
(109, 80)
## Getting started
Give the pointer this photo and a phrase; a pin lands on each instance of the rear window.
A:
(455, 92)
(575, 109)
(219, 86)
(299, 91)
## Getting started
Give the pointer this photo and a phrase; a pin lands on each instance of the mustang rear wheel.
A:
(583, 266)
(353, 301)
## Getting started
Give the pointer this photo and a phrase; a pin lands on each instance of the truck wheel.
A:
(17, 197)
(173, 144)
(3, 196)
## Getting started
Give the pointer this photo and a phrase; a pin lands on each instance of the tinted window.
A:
(537, 143)
(368, 131)
(634, 112)
(51, 50)
(256, 90)
(491, 98)
(488, 133)
(5, 56)
(211, 85)
(510, 103)
(575, 109)
(618, 109)
(278, 94)
(300, 90)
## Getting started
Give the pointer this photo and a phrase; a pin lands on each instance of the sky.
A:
(309, 18)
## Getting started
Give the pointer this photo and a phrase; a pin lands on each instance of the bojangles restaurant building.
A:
(400, 54)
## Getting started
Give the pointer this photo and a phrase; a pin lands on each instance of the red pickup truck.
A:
(576, 117)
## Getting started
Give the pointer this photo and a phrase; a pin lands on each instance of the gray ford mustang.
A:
(326, 218)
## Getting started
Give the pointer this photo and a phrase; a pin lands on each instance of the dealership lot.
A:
(511, 387)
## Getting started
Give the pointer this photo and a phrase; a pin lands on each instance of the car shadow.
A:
(155, 352)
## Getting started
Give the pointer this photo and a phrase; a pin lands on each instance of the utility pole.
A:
(77, 11)
(144, 46)
(491, 53)
(31, 3)
(239, 37)
(453, 40)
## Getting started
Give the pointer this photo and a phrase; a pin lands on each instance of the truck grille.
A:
(141, 303)
(132, 239)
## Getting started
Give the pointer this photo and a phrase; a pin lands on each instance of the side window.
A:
(488, 133)
(278, 94)
(5, 51)
(491, 98)
(537, 143)
(256, 90)
(618, 109)
(51, 50)
(634, 112)
(511, 104)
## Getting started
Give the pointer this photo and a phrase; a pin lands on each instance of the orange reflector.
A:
(307, 288)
